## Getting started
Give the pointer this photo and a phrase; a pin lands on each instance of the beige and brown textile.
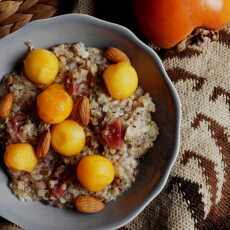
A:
(197, 195)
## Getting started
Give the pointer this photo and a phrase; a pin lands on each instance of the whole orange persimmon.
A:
(167, 22)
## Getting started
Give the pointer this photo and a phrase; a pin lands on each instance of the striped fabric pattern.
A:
(197, 196)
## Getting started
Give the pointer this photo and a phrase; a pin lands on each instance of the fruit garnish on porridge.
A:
(74, 124)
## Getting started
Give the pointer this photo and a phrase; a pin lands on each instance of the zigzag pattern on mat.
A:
(198, 194)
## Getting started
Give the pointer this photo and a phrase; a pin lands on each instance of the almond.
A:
(84, 111)
(18, 20)
(27, 4)
(40, 11)
(75, 110)
(115, 55)
(43, 145)
(88, 204)
(8, 8)
(4, 30)
(6, 103)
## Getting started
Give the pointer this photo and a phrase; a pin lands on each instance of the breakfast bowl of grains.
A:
(89, 125)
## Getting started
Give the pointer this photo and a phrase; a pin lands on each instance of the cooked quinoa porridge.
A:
(120, 130)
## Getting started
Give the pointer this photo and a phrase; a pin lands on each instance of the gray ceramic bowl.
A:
(156, 165)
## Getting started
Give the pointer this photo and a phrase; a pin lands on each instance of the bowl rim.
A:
(132, 37)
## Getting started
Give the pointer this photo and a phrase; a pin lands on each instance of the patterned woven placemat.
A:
(198, 193)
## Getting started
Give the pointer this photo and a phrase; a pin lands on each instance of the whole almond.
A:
(40, 11)
(18, 20)
(27, 4)
(6, 103)
(8, 8)
(88, 204)
(75, 110)
(84, 111)
(4, 30)
(116, 55)
(43, 145)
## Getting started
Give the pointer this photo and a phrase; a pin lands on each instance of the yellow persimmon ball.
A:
(121, 80)
(41, 66)
(54, 104)
(68, 138)
(95, 172)
(20, 157)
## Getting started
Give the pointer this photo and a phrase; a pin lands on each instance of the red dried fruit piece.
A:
(69, 174)
(58, 191)
(71, 86)
(113, 134)
(14, 124)
(75, 110)
(18, 120)
(90, 81)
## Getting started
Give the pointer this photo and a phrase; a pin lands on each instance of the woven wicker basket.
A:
(15, 14)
